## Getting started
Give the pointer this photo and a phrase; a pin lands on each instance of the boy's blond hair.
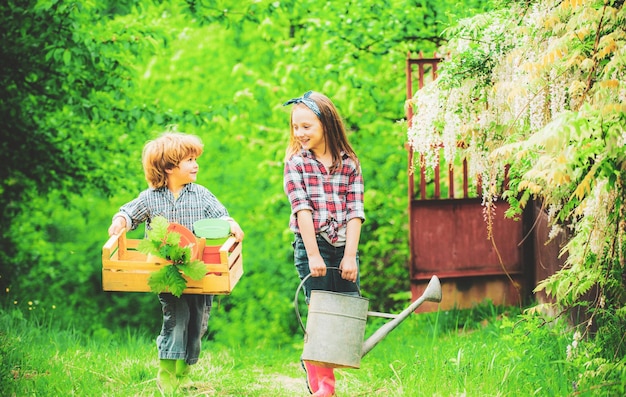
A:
(166, 152)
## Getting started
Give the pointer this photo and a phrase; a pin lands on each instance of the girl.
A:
(170, 167)
(323, 181)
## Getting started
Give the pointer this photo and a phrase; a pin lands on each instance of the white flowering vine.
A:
(539, 87)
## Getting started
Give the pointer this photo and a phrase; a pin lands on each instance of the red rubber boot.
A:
(326, 382)
(311, 376)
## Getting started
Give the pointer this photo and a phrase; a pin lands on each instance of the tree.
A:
(67, 81)
(55, 79)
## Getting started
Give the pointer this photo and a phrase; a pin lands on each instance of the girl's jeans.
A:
(185, 321)
(332, 256)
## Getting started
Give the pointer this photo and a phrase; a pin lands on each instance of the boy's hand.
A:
(117, 226)
(236, 231)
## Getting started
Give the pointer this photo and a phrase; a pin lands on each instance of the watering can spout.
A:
(432, 293)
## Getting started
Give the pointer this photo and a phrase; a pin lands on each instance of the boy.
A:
(170, 167)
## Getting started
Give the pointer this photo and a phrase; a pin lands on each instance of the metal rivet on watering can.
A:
(336, 325)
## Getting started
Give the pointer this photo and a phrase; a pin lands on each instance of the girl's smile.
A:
(308, 130)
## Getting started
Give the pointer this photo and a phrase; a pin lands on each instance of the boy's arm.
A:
(117, 225)
(235, 229)
(130, 215)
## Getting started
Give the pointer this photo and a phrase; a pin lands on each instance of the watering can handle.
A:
(295, 300)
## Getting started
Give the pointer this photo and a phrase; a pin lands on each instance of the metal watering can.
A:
(335, 325)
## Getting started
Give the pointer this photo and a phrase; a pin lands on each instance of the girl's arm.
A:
(348, 266)
(317, 266)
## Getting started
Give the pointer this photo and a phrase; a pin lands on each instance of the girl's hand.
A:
(317, 266)
(349, 269)
(117, 226)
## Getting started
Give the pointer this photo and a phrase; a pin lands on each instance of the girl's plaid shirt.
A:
(332, 199)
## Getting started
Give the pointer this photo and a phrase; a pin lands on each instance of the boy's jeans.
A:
(185, 321)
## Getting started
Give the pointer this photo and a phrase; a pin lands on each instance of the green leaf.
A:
(158, 228)
(157, 281)
(172, 239)
(178, 253)
(146, 246)
(175, 281)
(67, 57)
(164, 252)
(194, 270)
(167, 279)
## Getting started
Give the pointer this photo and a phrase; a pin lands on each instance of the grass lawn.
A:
(435, 354)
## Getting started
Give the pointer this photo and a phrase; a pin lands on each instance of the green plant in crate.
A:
(165, 244)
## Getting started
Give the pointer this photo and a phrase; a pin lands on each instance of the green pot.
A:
(215, 231)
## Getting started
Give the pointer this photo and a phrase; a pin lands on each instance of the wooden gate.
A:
(448, 233)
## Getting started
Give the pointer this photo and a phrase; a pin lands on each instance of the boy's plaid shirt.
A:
(333, 199)
(194, 203)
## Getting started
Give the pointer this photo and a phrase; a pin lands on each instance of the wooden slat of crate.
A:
(219, 283)
(126, 269)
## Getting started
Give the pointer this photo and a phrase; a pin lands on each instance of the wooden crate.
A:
(126, 269)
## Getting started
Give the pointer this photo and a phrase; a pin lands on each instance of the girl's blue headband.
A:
(307, 101)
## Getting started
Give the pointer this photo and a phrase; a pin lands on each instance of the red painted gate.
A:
(448, 233)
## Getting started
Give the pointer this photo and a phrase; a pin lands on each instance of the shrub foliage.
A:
(537, 88)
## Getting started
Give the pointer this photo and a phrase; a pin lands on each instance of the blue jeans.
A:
(185, 321)
(332, 256)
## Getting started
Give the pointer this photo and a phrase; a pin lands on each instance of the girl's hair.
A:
(166, 152)
(334, 132)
